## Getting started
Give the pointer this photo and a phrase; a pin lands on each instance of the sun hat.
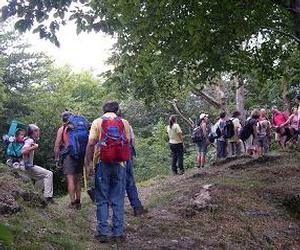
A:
(202, 116)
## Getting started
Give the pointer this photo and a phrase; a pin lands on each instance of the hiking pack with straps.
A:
(114, 146)
(13, 148)
(228, 131)
(77, 131)
(197, 135)
(247, 129)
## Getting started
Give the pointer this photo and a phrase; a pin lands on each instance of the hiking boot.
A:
(181, 172)
(118, 239)
(91, 193)
(102, 238)
(72, 205)
(77, 204)
(49, 200)
(139, 211)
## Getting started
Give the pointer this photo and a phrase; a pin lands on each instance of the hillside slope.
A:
(236, 204)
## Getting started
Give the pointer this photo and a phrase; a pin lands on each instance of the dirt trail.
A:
(236, 204)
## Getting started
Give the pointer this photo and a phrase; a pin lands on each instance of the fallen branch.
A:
(177, 110)
(206, 97)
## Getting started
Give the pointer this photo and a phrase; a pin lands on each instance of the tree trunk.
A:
(222, 95)
(240, 97)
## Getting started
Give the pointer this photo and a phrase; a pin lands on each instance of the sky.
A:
(86, 51)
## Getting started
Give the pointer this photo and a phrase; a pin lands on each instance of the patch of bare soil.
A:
(240, 203)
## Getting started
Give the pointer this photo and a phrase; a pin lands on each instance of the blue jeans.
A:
(110, 189)
(131, 189)
(221, 149)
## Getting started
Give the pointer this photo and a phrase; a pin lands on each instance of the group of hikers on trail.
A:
(231, 136)
(105, 149)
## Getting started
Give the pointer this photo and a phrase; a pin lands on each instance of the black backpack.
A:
(197, 135)
(247, 130)
(228, 131)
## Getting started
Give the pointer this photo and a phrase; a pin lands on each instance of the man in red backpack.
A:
(109, 142)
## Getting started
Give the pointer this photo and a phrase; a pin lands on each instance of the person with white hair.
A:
(33, 171)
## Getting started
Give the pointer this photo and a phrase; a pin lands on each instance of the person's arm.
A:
(58, 142)
(254, 130)
(179, 133)
(90, 149)
(288, 121)
(29, 146)
(132, 137)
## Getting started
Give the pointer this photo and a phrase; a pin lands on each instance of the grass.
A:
(228, 225)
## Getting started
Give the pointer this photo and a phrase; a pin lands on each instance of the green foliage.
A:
(6, 236)
(153, 155)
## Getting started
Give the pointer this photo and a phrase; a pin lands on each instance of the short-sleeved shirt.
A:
(95, 132)
(221, 123)
(237, 127)
(27, 144)
(173, 133)
(279, 119)
(262, 127)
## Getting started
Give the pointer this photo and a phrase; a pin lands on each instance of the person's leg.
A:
(180, 157)
(219, 149)
(131, 188)
(117, 194)
(238, 148)
(39, 173)
(102, 183)
(78, 188)
(71, 181)
(174, 158)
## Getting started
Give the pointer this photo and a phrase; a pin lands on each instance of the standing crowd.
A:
(233, 136)
(105, 149)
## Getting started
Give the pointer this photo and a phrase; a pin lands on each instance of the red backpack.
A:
(114, 146)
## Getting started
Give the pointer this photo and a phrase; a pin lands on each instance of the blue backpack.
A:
(78, 135)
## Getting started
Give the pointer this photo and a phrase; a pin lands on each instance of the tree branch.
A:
(177, 110)
(206, 97)
(294, 37)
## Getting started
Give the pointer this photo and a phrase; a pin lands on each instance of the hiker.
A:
(264, 134)
(33, 171)
(298, 102)
(221, 141)
(249, 133)
(72, 166)
(131, 189)
(204, 142)
(110, 136)
(176, 145)
(292, 125)
(234, 143)
(279, 118)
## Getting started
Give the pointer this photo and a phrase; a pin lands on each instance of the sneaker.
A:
(91, 193)
(118, 239)
(139, 211)
(102, 238)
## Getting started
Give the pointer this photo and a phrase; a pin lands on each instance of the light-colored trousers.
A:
(41, 174)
